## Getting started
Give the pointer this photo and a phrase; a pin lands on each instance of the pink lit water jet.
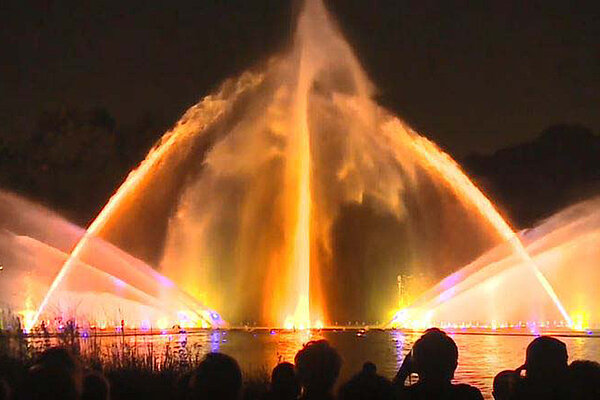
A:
(112, 287)
(493, 293)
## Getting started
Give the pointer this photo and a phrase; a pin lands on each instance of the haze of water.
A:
(112, 287)
(290, 198)
(563, 246)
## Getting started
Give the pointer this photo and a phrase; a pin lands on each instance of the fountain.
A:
(290, 198)
(112, 288)
(493, 293)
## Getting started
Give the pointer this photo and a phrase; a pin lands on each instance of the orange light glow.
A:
(449, 170)
(290, 190)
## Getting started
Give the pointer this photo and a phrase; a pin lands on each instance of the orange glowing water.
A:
(212, 107)
(482, 294)
(459, 182)
(290, 198)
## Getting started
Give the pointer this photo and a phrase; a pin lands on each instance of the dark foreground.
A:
(157, 366)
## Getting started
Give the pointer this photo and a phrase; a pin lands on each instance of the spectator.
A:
(504, 384)
(317, 367)
(56, 375)
(217, 377)
(51, 383)
(584, 380)
(284, 383)
(545, 370)
(434, 358)
(367, 385)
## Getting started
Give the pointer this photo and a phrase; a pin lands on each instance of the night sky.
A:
(474, 76)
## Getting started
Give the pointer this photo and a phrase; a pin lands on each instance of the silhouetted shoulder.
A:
(449, 392)
(464, 391)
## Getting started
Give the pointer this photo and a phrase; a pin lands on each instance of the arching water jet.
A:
(290, 196)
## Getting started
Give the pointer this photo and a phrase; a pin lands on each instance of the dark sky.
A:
(474, 76)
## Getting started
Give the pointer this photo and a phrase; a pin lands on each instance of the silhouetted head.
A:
(55, 362)
(435, 356)
(504, 384)
(284, 383)
(584, 379)
(95, 387)
(59, 357)
(546, 359)
(217, 377)
(48, 382)
(367, 385)
(369, 368)
(318, 366)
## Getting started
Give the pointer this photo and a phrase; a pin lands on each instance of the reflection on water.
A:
(481, 356)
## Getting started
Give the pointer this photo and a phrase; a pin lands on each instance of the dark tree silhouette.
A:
(533, 180)
(70, 161)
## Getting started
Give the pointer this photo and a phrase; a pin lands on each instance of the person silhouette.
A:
(62, 358)
(50, 382)
(584, 380)
(57, 374)
(504, 384)
(546, 370)
(367, 385)
(434, 358)
(218, 377)
(284, 383)
(317, 367)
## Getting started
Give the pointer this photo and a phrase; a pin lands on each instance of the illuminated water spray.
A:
(209, 110)
(291, 198)
(300, 255)
(458, 181)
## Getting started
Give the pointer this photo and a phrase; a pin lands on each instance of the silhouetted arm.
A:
(404, 371)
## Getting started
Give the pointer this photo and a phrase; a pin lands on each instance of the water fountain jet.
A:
(289, 189)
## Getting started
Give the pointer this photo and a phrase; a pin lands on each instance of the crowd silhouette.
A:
(427, 372)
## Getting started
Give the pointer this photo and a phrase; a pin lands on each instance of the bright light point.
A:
(185, 319)
(319, 324)
(28, 319)
(162, 323)
(580, 321)
(166, 281)
(118, 282)
(401, 319)
(289, 323)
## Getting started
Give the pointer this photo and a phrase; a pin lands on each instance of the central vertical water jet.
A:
(300, 260)
(300, 167)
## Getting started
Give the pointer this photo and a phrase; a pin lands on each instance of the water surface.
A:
(481, 356)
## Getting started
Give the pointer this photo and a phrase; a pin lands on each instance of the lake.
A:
(481, 356)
